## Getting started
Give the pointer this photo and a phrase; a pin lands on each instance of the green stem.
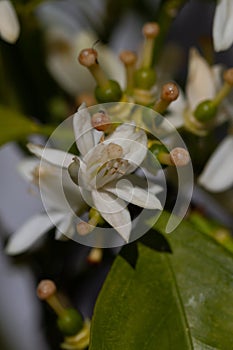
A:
(222, 93)
(167, 14)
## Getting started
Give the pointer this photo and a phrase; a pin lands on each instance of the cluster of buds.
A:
(140, 76)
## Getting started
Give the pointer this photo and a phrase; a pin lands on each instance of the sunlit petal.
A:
(200, 82)
(134, 194)
(114, 211)
(51, 155)
(223, 25)
(218, 172)
(31, 231)
(9, 24)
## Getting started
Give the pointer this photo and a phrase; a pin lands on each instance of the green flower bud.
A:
(153, 159)
(109, 93)
(145, 78)
(70, 322)
(205, 111)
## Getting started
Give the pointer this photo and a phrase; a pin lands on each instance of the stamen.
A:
(88, 58)
(150, 32)
(106, 90)
(47, 290)
(226, 88)
(169, 93)
(129, 59)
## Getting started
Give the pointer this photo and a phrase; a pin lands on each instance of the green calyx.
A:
(110, 93)
(70, 322)
(205, 111)
(144, 78)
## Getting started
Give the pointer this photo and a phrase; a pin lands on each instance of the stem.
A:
(148, 53)
(222, 93)
(99, 75)
(55, 304)
(165, 158)
(161, 106)
(167, 14)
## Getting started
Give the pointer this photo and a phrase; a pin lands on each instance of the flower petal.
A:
(125, 190)
(31, 231)
(9, 24)
(114, 211)
(83, 130)
(27, 166)
(218, 172)
(51, 155)
(58, 191)
(223, 25)
(200, 82)
(133, 142)
(176, 110)
(65, 227)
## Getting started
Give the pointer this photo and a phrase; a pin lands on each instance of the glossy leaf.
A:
(170, 301)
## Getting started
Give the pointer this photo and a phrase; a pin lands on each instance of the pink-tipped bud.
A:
(150, 30)
(170, 92)
(88, 57)
(45, 289)
(83, 228)
(129, 58)
(179, 156)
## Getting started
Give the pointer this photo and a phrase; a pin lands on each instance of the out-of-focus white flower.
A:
(202, 84)
(61, 206)
(223, 25)
(63, 50)
(102, 169)
(9, 24)
(217, 175)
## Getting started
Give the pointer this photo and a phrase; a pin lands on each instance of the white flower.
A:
(61, 204)
(102, 170)
(217, 175)
(202, 84)
(9, 24)
(223, 25)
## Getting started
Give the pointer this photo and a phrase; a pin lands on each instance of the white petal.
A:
(133, 142)
(27, 166)
(51, 155)
(200, 82)
(176, 110)
(223, 25)
(114, 211)
(63, 48)
(58, 191)
(83, 130)
(65, 227)
(125, 190)
(9, 24)
(217, 175)
(30, 232)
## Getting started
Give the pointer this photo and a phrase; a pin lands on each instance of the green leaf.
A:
(177, 301)
(14, 126)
